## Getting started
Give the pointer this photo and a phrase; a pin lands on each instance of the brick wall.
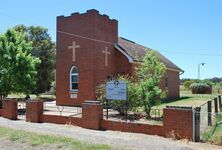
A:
(89, 57)
(10, 108)
(1, 112)
(62, 120)
(178, 122)
(173, 88)
(132, 127)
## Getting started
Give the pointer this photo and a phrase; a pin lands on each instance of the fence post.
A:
(197, 124)
(209, 111)
(215, 105)
(220, 104)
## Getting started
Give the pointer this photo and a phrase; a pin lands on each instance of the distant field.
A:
(188, 99)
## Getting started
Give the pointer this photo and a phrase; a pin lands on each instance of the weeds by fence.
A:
(210, 117)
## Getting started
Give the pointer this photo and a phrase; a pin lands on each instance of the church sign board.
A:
(116, 90)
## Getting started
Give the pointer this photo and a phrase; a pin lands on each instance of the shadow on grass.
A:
(175, 100)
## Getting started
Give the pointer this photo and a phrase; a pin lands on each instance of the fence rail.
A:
(52, 109)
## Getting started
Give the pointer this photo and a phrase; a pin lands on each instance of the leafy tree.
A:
(218, 87)
(216, 80)
(18, 66)
(143, 92)
(151, 72)
(44, 49)
(187, 84)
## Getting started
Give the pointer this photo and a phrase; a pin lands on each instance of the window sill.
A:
(73, 92)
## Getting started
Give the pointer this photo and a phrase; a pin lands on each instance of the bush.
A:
(187, 84)
(201, 88)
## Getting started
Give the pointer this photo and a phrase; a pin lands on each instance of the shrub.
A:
(187, 84)
(201, 88)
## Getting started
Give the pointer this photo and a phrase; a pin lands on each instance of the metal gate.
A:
(21, 110)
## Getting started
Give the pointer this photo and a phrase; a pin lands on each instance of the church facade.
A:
(89, 51)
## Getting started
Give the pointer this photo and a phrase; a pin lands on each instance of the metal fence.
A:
(50, 108)
(122, 114)
(21, 110)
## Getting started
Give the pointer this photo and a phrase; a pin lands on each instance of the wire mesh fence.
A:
(210, 115)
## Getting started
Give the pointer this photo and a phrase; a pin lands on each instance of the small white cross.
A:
(73, 47)
(106, 52)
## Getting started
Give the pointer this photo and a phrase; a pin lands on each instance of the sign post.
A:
(116, 90)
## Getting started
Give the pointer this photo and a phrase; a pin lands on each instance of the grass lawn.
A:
(36, 140)
(188, 99)
(32, 96)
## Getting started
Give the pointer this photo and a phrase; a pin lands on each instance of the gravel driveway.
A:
(115, 138)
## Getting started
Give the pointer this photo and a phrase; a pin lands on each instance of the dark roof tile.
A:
(137, 52)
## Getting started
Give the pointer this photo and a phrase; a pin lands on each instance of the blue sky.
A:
(187, 32)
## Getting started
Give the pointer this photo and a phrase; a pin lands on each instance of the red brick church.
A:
(89, 50)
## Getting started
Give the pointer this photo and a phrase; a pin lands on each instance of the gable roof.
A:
(136, 52)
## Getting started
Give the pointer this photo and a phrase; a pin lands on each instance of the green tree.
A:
(44, 49)
(18, 66)
(150, 72)
(187, 84)
(218, 87)
(143, 91)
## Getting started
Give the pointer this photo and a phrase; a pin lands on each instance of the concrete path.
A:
(117, 139)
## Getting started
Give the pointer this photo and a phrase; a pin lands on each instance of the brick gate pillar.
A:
(10, 109)
(92, 114)
(34, 111)
(178, 122)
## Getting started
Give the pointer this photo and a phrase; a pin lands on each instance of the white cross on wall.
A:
(106, 52)
(73, 47)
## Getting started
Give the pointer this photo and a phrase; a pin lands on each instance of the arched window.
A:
(74, 81)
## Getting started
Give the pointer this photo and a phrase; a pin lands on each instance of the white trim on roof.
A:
(124, 53)
(173, 69)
